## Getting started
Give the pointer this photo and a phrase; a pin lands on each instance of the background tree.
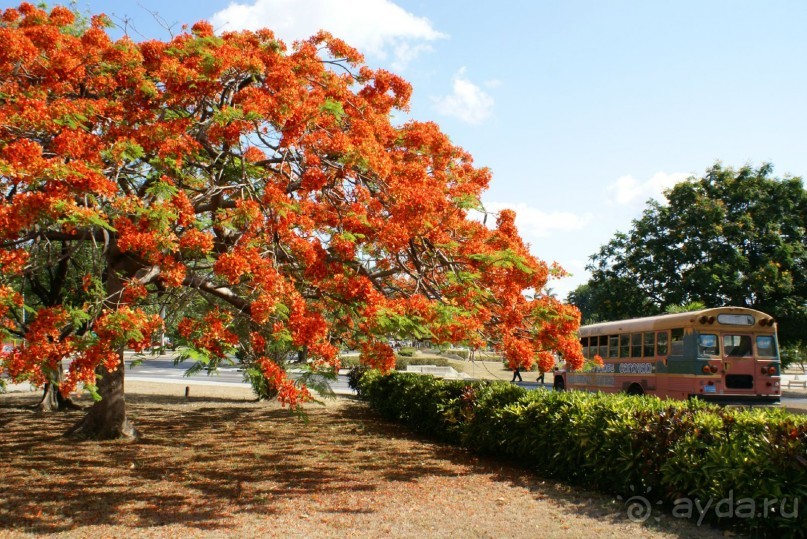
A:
(733, 237)
(794, 353)
(265, 180)
(688, 308)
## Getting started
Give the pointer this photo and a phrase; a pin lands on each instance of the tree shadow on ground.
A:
(196, 463)
(201, 462)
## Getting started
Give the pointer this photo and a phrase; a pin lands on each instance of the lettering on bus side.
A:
(625, 368)
(636, 368)
(607, 368)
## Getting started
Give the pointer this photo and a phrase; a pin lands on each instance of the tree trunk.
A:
(52, 399)
(106, 419)
(49, 402)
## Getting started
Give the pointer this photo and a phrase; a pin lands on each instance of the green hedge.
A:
(672, 452)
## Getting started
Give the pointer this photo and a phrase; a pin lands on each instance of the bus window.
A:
(737, 345)
(649, 344)
(766, 346)
(603, 346)
(613, 346)
(584, 344)
(624, 345)
(677, 342)
(661, 343)
(636, 345)
(707, 345)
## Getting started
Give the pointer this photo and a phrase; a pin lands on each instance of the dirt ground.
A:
(221, 465)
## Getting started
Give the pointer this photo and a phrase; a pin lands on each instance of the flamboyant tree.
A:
(267, 180)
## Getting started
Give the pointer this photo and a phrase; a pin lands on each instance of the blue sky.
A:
(582, 109)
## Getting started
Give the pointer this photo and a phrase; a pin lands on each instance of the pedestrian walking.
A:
(516, 374)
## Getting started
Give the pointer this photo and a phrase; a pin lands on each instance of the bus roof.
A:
(665, 321)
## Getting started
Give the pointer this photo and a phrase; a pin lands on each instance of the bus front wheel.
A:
(635, 389)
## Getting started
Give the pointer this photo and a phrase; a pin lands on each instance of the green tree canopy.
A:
(732, 237)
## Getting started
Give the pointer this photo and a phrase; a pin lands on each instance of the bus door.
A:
(738, 362)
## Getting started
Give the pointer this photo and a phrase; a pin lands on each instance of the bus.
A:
(726, 354)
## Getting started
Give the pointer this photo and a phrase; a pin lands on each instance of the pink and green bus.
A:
(726, 354)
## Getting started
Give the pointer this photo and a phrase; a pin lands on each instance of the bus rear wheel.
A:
(635, 389)
(559, 385)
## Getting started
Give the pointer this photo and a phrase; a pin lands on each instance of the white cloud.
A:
(468, 102)
(378, 28)
(627, 190)
(534, 223)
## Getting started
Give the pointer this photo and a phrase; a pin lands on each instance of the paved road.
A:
(162, 369)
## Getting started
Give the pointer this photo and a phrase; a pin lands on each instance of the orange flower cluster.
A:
(232, 266)
(185, 212)
(114, 330)
(518, 352)
(43, 348)
(306, 326)
(378, 355)
(12, 262)
(546, 361)
(136, 238)
(172, 271)
(196, 241)
(133, 291)
(9, 298)
(262, 308)
(254, 155)
(288, 393)
(210, 333)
